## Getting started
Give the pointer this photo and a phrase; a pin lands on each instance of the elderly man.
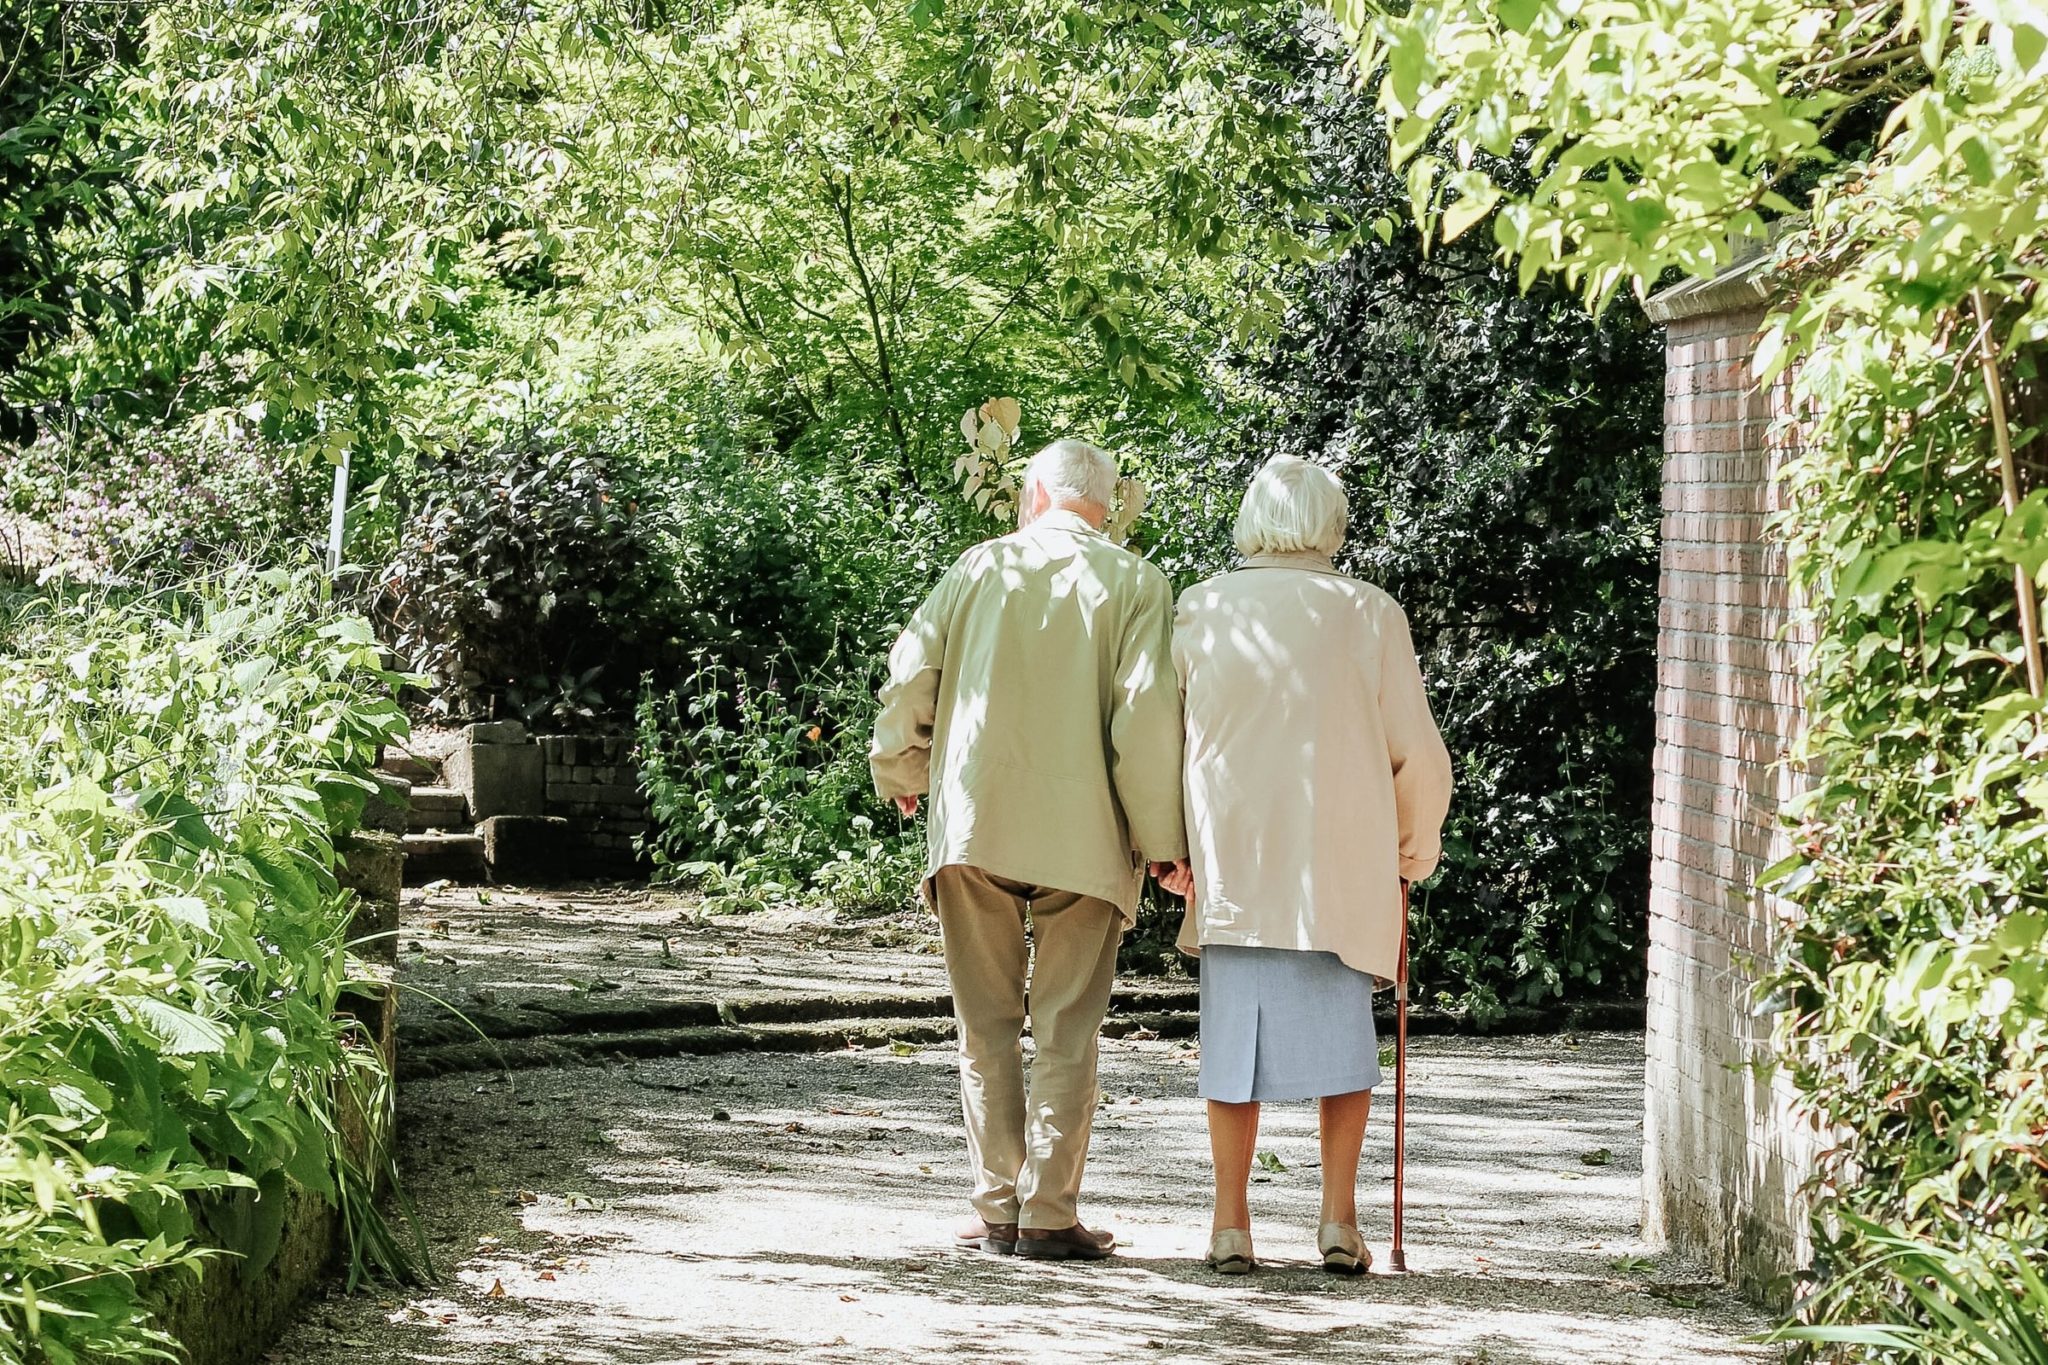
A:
(1033, 695)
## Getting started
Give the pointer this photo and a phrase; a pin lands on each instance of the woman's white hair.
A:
(1292, 507)
(1074, 471)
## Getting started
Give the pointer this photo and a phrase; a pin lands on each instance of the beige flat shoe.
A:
(1230, 1252)
(1344, 1251)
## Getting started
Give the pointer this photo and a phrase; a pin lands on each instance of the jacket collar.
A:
(1307, 560)
(1060, 519)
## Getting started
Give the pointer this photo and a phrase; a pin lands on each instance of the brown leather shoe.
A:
(974, 1234)
(1065, 1244)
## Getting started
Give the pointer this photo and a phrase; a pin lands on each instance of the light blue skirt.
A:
(1278, 1024)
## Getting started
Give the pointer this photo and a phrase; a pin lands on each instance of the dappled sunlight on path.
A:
(758, 1208)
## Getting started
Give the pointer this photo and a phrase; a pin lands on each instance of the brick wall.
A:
(1722, 1155)
(594, 784)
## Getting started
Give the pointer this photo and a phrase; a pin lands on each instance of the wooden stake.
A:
(1397, 1256)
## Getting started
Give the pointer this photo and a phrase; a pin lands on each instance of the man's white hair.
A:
(1292, 507)
(1074, 471)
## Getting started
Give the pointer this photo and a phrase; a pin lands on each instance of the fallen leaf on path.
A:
(1599, 1156)
(547, 1275)
(902, 1049)
(528, 1197)
(849, 1298)
(1270, 1162)
(497, 1290)
(794, 1127)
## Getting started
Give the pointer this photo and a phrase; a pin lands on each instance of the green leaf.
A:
(181, 1032)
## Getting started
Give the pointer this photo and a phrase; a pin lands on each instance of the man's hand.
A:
(907, 804)
(1175, 877)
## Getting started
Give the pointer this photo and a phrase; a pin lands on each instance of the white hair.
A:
(1292, 507)
(1074, 471)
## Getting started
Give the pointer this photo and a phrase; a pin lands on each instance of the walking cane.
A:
(1397, 1259)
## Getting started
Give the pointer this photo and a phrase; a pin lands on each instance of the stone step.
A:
(443, 855)
(411, 767)
(437, 808)
(488, 1054)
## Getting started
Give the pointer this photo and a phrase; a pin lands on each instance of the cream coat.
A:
(1316, 780)
(1033, 696)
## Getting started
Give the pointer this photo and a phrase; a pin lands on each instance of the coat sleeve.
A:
(1145, 725)
(900, 756)
(1421, 763)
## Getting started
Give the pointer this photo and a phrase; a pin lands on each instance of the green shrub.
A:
(172, 771)
(523, 581)
(760, 791)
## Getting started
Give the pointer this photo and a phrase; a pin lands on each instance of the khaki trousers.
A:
(1027, 1151)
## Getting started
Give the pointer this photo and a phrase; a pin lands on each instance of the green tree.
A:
(58, 168)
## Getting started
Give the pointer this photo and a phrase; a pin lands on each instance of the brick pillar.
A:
(1722, 1155)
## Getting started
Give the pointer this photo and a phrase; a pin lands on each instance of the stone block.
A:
(498, 779)
(372, 933)
(386, 809)
(494, 732)
(372, 865)
(530, 847)
(443, 857)
(371, 999)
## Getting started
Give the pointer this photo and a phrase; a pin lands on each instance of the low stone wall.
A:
(232, 1313)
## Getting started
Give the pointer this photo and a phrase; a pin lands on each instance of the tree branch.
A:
(842, 202)
(2001, 439)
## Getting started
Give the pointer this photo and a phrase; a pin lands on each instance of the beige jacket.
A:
(1033, 696)
(1316, 780)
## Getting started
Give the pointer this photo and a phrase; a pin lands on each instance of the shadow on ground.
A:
(761, 1208)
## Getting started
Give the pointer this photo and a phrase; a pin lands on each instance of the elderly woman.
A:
(1316, 786)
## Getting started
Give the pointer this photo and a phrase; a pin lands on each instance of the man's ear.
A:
(1036, 501)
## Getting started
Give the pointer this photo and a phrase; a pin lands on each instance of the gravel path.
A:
(762, 1208)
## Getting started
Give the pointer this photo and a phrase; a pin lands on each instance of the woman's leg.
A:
(1343, 1121)
(1233, 1134)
